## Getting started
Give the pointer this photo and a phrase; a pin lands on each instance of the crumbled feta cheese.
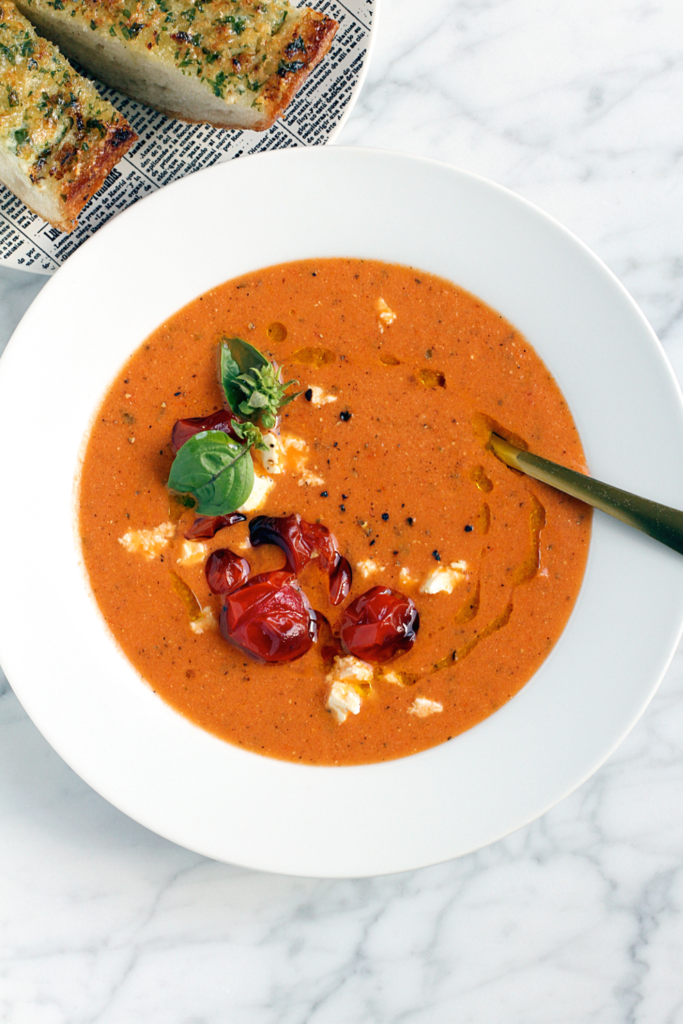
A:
(296, 451)
(320, 397)
(385, 314)
(149, 543)
(404, 575)
(262, 485)
(204, 623)
(343, 699)
(308, 477)
(345, 679)
(444, 579)
(286, 453)
(271, 460)
(368, 567)
(191, 552)
(350, 668)
(290, 441)
(421, 707)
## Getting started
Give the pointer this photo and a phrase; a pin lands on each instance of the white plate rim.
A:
(358, 830)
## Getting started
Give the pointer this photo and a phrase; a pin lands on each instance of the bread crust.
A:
(317, 32)
(91, 175)
(58, 138)
(228, 63)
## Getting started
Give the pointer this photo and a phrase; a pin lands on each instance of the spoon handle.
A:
(659, 521)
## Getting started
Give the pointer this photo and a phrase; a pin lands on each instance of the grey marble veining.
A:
(576, 918)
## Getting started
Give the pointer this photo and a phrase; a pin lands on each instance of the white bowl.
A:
(237, 806)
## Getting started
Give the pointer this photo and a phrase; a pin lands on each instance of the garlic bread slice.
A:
(58, 138)
(228, 63)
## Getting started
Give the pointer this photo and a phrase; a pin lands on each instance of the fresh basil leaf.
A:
(253, 387)
(251, 434)
(257, 401)
(216, 470)
(237, 357)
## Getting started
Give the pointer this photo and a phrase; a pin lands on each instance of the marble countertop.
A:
(577, 917)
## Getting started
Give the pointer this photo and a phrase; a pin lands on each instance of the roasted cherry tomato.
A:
(226, 571)
(300, 542)
(329, 644)
(341, 578)
(183, 430)
(269, 618)
(288, 534)
(208, 526)
(379, 625)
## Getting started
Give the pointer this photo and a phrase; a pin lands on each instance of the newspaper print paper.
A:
(167, 150)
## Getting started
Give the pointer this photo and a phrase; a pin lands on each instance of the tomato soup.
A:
(403, 375)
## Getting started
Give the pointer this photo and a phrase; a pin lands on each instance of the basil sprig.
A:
(215, 470)
(253, 387)
(251, 434)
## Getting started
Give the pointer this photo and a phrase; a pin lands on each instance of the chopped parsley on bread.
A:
(228, 63)
(58, 138)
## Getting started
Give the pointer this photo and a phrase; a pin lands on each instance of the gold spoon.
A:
(659, 521)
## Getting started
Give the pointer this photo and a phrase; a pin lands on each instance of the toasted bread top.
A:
(53, 122)
(247, 52)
